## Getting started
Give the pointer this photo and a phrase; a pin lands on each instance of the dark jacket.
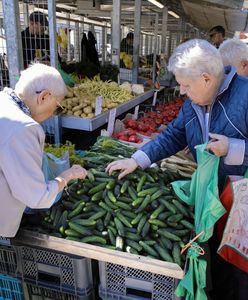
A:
(228, 116)
(31, 43)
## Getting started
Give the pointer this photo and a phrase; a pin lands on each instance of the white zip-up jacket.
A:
(22, 182)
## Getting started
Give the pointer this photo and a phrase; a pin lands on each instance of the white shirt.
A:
(22, 182)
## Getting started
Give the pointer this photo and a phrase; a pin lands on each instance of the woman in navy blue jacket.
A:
(215, 111)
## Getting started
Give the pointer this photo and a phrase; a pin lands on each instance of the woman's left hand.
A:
(218, 144)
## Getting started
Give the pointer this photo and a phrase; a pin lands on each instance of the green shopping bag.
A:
(202, 193)
(192, 285)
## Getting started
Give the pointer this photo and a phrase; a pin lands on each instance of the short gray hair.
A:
(233, 51)
(195, 57)
(39, 77)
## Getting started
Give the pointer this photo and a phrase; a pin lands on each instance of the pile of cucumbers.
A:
(139, 214)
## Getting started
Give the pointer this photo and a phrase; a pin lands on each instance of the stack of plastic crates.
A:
(10, 286)
(54, 275)
(125, 283)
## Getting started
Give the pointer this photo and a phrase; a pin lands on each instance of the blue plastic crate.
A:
(54, 270)
(10, 288)
(126, 283)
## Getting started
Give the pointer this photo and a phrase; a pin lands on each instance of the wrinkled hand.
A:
(126, 166)
(219, 144)
(75, 172)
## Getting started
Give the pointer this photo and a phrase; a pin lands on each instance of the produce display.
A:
(127, 136)
(179, 163)
(150, 122)
(139, 214)
(58, 151)
(81, 99)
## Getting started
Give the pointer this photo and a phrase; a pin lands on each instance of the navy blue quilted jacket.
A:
(228, 116)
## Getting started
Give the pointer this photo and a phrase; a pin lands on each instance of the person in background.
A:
(37, 95)
(235, 52)
(35, 43)
(126, 47)
(215, 112)
(217, 35)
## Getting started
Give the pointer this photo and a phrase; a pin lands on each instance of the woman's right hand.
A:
(126, 166)
(75, 172)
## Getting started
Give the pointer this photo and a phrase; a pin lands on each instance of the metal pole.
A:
(150, 44)
(77, 43)
(164, 28)
(136, 41)
(103, 45)
(13, 39)
(52, 33)
(169, 44)
(155, 48)
(54, 62)
(116, 32)
(25, 14)
(68, 38)
(146, 43)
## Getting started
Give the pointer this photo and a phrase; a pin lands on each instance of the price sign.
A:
(154, 98)
(111, 121)
(98, 109)
(136, 111)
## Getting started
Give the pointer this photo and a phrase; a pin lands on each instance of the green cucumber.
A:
(169, 235)
(94, 239)
(124, 186)
(175, 218)
(111, 184)
(80, 229)
(148, 249)
(123, 205)
(134, 245)
(97, 188)
(180, 207)
(111, 237)
(123, 219)
(163, 253)
(144, 204)
(111, 196)
(141, 183)
(137, 218)
(157, 211)
(141, 224)
(97, 196)
(187, 224)
(85, 222)
(149, 191)
(77, 210)
(132, 236)
(119, 226)
(98, 215)
(176, 253)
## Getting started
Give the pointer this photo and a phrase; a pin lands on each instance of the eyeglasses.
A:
(59, 108)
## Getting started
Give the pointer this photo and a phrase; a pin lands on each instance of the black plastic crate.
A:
(42, 293)
(8, 260)
(54, 270)
(125, 283)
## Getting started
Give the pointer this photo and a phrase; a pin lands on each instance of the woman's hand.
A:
(126, 166)
(75, 172)
(219, 144)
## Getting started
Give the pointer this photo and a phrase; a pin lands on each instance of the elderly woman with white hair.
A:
(37, 95)
(215, 111)
(235, 52)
